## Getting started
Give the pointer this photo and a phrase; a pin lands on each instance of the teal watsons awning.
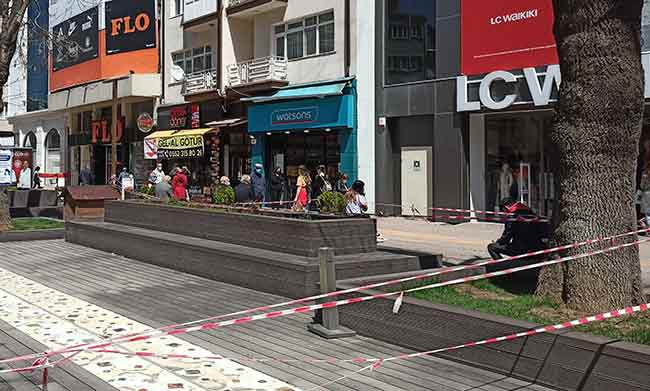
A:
(323, 105)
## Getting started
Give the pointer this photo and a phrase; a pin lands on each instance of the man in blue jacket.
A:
(259, 183)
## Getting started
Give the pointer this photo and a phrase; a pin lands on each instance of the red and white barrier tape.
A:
(506, 217)
(520, 219)
(510, 337)
(361, 360)
(162, 331)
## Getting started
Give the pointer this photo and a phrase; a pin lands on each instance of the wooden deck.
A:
(158, 296)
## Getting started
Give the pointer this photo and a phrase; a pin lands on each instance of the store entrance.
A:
(517, 163)
(289, 151)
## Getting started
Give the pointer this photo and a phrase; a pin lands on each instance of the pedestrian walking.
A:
(277, 187)
(37, 179)
(244, 191)
(259, 183)
(86, 176)
(302, 184)
(342, 184)
(157, 175)
(179, 185)
(356, 199)
(321, 182)
(164, 189)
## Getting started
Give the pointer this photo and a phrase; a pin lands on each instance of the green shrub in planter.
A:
(331, 202)
(223, 195)
(148, 189)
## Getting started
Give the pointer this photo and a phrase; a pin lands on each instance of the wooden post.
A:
(114, 131)
(327, 321)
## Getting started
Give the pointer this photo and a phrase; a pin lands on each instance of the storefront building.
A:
(310, 124)
(475, 128)
(116, 63)
(44, 132)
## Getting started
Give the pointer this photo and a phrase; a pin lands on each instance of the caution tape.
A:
(178, 328)
(509, 337)
(360, 360)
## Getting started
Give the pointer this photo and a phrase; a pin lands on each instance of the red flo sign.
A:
(506, 34)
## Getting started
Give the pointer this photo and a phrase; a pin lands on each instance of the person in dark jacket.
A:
(321, 183)
(244, 191)
(277, 186)
(259, 183)
(520, 235)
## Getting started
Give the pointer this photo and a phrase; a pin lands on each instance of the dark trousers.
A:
(497, 251)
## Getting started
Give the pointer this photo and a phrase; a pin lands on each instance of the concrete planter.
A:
(564, 360)
(41, 234)
(296, 236)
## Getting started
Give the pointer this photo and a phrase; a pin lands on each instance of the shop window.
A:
(194, 60)
(410, 41)
(645, 27)
(177, 8)
(53, 152)
(309, 36)
(518, 165)
(30, 142)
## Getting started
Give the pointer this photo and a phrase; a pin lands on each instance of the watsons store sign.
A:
(303, 115)
(500, 90)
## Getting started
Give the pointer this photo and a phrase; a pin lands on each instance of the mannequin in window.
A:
(506, 181)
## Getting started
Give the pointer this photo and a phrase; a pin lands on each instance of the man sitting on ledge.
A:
(521, 234)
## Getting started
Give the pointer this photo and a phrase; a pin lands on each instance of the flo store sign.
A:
(500, 90)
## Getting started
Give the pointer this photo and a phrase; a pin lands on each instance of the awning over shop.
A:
(227, 123)
(322, 105)
(306, 92)
(175, 144)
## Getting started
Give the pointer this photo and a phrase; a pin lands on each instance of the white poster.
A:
(5, 166)
(151, 149)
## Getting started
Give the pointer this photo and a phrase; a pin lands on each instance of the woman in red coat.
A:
(179, 185)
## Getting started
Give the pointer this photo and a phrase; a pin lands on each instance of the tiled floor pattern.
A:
(56, 320)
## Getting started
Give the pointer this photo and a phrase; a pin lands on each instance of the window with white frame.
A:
(194, 60)
(309, 36)
(177, 7)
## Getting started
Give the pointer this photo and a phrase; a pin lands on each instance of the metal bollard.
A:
(326, 321)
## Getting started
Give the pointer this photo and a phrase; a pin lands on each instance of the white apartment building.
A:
(237, 63)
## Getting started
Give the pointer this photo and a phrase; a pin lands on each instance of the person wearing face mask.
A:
(157, 175)
(258, 183)
(342, 184)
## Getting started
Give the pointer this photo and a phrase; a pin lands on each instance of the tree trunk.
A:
(596, 135)
(11, 20)
(5, 219)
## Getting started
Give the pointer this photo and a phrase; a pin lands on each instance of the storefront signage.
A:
(180, 117)
(506, 34)
(21, 171)
(101, 131)
(175, 147)
(75, 40)
(303, 115)
(130, 25)
(5, 166)
(540, 91)
(526, 87)
(145, 122)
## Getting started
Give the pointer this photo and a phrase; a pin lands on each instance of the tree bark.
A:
(11, 20)
(5, 218)
(596, 135)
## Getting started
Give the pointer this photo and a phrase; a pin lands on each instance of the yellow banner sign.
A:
(180, 142)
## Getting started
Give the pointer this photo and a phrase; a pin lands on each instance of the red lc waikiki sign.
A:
(506, 34)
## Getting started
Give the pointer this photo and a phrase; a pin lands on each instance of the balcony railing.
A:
(200, 82)
(250, 8)
(257, 70)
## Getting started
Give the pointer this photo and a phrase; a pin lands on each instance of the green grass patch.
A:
(34, 223)
(497, 298)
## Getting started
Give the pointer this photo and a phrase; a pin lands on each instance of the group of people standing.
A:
(172, 186)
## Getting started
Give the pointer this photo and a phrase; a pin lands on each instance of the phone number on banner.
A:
(180, 153)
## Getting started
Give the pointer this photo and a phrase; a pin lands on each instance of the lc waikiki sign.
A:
(533, 87)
